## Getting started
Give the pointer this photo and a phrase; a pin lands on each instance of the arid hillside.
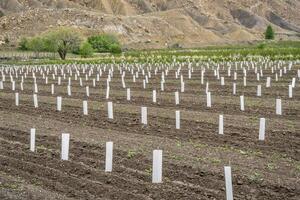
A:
(154, 23)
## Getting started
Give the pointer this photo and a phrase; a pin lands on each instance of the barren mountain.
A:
(154, 23)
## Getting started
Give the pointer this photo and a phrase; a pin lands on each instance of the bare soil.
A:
(193, 158)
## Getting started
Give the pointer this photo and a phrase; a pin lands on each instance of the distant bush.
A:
(86, 50)
(36, 44)
(105, 43)
(115, 48)
(269, 34)
(261, 46)
(23, 44)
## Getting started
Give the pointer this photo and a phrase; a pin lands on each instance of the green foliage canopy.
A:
(105, 43)
(86, 50)
(63, 40)
(36, 44)
(23, 44)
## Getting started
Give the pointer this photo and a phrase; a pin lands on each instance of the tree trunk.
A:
(62, 54)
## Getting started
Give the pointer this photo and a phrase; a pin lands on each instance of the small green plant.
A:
(131, 154)
(271, 166)
(242, 152)
(256, 177)
(176, 157)
(41, 147)
(199, 145)
(178, 144)
(148, 171)
(215, 160)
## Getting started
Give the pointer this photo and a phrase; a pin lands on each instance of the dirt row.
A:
(83, 177)
(193, 157)
(251, 109)
(227, 90)
(156, 80)
(282, 141)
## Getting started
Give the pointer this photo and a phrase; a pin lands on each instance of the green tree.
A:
(86, 50)
(63, 40)
(105, 43)
(269, 34)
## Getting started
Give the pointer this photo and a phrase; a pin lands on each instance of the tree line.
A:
(67, 40)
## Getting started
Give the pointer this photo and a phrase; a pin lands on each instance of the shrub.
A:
(261, 46)
(105, 43)
(269, 34)
(23, 44)
(86, 50)
(115, 48)
(36, 44)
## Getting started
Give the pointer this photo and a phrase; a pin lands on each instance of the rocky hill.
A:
(154, 23)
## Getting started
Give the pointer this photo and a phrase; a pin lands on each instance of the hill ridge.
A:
(154, 23)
